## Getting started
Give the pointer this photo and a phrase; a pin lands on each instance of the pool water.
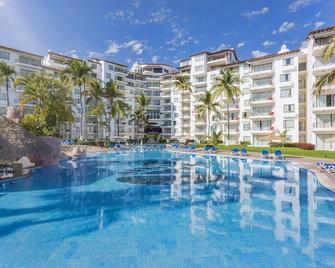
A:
(153, 208)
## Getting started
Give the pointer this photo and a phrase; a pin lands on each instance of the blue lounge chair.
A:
(192, 147)
(235, 151)
(278, 154)
(265, 154)
(213, 149)
(244, 152)
(207, 148)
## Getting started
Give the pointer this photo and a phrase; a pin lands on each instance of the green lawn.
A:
(285, 151)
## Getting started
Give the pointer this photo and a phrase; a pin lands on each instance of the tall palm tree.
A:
(142, 101)
(95, 101)
(183, 84)
(141, 119)
(114, 105)
(226, 85)
(121, 112)
(80, 74)
(207, 106)
(7, 74)
(328, 78)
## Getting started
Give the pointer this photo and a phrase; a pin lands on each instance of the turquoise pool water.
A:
(160, 209)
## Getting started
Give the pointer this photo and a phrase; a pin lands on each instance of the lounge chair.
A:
(207, 148)
(235, 151)
(244, 152)
(213, 149)
(278, 154)
(192, 147)
(265, 154)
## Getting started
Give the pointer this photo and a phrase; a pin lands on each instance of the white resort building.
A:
(277, 93)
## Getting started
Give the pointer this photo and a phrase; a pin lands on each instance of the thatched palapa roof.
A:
(16, 142)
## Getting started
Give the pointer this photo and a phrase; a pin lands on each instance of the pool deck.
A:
(309, 163)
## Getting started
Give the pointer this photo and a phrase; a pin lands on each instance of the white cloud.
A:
(223, 46)
(268, 43)
(154, 59)
(137, 3)
(230, 34)
(241, 44)
(3, 3)
(113, 48)
(258, 53)
(135, 45)
(318, 14)
(318, 24)
(181, 37)
(274, 31)
(299, 4)
(94, 55)
(255, 13)
(286, 26)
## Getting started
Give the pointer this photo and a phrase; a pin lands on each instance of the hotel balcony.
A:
(232, 107)
(321, 67)
(216, 60)
(234, 131)
(257, 116)
(324, 109)
(200, 123)
(261, 73)
(261, 87)
(261, 101)
(318, 49)
(324, 130)
(262, 130)
(231, 120)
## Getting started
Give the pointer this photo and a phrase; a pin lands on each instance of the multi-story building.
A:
(277, 93)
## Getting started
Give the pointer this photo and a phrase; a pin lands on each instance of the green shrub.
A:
(245, 143)
(286, 144)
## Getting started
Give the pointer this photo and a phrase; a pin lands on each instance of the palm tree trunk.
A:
(85, 125)
(81, 114)
(118, 128)
(7, 91)
(182, 113)
(228, 136)
(109, 127)
(208, 123)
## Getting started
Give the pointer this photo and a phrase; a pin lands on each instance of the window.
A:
(261, 67)
(4, 55)
(262, 82)
(302, 83)
(302, 98)
(158, 70)
(285, 92)
(285, 77)
(245, 79)
(289, 108)
(156, 93)
(3, 96)
(288, 124)
(156, 102)
(119, 78)
(199, 68)
(29, 61)
(246, 102)
(110, 67)
(288, 61)
(200, 79)
(108, 76)
(199, 58)
(153, 114)
(246, 126)
(120, 70)
(94, 66)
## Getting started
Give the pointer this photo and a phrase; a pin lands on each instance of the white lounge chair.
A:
(26, 163)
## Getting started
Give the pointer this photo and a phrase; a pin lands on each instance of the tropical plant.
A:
(183, 84)
(216, 137)
(206, 107)
(328, 78)
(140, 118)
(80, 74)
(114, 106)
(95, 102)
(283, 136)
(51, 101)
(226, 85)
(7, 74)
(142, 102)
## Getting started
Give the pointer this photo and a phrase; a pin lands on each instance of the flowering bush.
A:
(306, 146)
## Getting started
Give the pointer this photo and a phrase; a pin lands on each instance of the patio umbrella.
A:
(16, 142)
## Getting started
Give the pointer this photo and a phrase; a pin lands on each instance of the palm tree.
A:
(283, 136)
(121, 111)
(183, 84)
(142, 101)
(206, 106)
(216, 137)
(226, 85)
(80, 74)
(7, 74)
(141, 120)
(95, 101)
(328, 78)
(114, 105)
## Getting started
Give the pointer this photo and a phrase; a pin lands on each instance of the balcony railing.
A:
(320, 63)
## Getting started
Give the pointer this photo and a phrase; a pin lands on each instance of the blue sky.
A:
(126, 31)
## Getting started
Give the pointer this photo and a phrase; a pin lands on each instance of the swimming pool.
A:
(154, 208)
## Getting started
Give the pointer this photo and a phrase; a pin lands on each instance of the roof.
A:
(158, 64)
(64, 56)
(20, 51)
(322, 30)
(214, 52)
(115, 63)
(16, 142)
